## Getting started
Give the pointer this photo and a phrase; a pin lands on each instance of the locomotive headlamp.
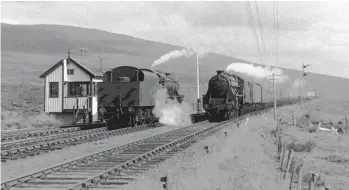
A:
(130, 109)
(206, 106)
(102, 110)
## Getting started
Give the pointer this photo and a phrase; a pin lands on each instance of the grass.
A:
(244, 159)
(323, 152)
(16, 120)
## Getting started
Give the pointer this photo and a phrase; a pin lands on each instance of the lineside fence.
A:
(291, 168)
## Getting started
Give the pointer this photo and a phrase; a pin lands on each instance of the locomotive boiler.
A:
(126, 97)
(225, 96)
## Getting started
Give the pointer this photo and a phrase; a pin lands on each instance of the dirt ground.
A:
(245, 159)
(324, 153)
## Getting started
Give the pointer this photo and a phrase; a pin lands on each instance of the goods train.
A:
(126, 97)
(229, 96)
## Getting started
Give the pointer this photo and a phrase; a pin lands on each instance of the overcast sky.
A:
(315, 33)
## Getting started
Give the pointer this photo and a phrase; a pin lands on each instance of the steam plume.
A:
(171, 112)
(173, 55)
(257, 72)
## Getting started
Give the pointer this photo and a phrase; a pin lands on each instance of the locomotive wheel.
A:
(132, 121)
(110, 124)
(231, 114)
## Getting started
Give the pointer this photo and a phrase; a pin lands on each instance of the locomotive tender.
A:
(228, 96)
(126, 97)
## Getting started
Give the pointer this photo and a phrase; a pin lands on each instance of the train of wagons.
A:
(127, 96)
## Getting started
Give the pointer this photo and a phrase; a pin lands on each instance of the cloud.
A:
(308, 31)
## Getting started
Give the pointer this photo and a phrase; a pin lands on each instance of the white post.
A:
(197, 80)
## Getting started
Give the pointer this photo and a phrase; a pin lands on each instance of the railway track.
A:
(117, 166)
(31, 147)
(34, 133)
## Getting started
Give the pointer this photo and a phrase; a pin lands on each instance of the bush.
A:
(302, 147)
(312, 128)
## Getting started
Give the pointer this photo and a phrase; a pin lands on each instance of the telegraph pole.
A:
(100, 62)
(274, 93)
(261, 91)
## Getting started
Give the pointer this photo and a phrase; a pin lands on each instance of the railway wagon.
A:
(127, 95)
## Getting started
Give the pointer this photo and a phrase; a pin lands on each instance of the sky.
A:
(315, 33)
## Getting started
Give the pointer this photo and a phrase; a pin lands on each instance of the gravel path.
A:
(13, 169)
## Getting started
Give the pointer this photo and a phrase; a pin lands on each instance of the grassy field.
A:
(29, 50)
(324, 153)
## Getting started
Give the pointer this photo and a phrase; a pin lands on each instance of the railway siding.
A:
(36, 147)
(38, 132)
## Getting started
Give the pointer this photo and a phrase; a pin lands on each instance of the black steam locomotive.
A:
(228, 96)
(126, 97)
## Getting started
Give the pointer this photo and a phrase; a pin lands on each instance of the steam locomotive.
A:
(228, 96)
(126, 97)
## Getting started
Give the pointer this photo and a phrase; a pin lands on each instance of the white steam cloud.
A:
(299, 82)
(257, 72)
(171, 112)
(173, 55)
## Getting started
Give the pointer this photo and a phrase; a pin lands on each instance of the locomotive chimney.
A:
(167, 74)
(219, 72)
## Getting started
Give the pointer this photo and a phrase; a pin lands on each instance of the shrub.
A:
(302, 146)
(312, 128)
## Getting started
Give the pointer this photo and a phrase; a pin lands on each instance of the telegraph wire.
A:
(260, 29)
(249, 13)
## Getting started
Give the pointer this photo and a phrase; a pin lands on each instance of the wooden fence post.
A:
(312, 181)
(288, 162)
(291, 180)
(300, 176)
(346, 124)
(283, 155)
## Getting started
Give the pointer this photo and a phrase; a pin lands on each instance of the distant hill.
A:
(28, 50)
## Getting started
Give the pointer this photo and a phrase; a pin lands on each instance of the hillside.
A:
(28, 50)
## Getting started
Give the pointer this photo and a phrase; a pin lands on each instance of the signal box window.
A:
(70, 71)
(78, 89)
(53, 90)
